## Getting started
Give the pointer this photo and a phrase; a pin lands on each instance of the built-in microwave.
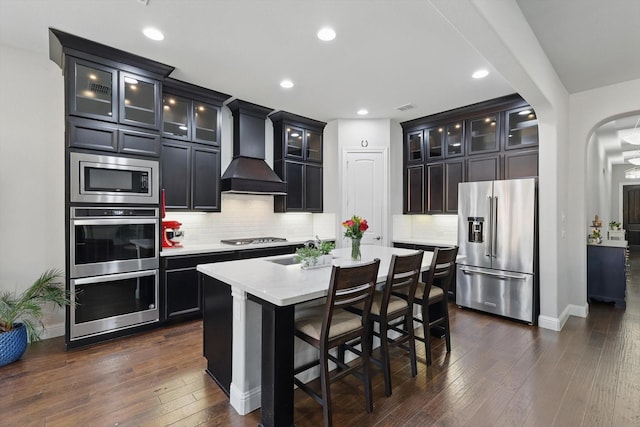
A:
(97, 178)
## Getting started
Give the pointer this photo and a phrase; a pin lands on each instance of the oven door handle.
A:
(111, 221)
(113, 277)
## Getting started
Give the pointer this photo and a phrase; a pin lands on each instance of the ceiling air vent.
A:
(405, 107)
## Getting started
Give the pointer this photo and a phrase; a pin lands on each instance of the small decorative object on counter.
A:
(356, 227)
(614, 225)
(595, 236)
(597, 222)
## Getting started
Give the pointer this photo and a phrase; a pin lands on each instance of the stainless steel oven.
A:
(113, 302)
(99, 178)
(107, 240)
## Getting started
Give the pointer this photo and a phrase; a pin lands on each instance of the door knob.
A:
(377, 238)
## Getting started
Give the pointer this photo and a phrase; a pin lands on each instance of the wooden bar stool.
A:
(332, 325)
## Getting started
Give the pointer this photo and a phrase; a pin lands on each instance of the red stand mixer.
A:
(171, 233)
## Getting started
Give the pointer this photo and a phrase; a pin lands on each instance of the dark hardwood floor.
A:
(499, 373)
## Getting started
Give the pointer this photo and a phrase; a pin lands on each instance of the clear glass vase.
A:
(355, 249)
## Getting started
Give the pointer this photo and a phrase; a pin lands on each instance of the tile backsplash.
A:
(430, 228)
(250, 216)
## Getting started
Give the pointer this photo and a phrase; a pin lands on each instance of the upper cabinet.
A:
(522, 128)
(104, 93)
(190, 159)
(113, 98)
(297, 155)
(495, 139)
(191, 113)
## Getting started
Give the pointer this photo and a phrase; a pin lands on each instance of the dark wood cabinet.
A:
(521, 164)
(435, 188)
(190, 176)
(607, 274)
(191, 113)
(414, 189)
(484, 168)
(95, 135)
(297, 157)
(453, 175)
(191, 160)
(181, 288)
(491, 140)
(105, 93)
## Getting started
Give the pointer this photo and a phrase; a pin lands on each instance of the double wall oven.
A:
(113, 244)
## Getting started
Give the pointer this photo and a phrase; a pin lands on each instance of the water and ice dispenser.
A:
(476, 229)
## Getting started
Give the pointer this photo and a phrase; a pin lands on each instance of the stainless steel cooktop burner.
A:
(252, 240)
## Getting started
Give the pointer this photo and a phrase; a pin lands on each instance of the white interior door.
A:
(365, 192)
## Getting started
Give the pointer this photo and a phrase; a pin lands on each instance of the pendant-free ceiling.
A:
(634, 137)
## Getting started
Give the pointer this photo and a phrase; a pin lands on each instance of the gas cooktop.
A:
(252, 240)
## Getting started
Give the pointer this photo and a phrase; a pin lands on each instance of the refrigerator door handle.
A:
(494, 235)
(498, 274)
(490, 231)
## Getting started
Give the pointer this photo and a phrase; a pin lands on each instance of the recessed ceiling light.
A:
(153, 33)
(287, 84)
(480, 74)
(363, 112)
(326, 34)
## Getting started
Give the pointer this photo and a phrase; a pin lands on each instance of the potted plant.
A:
(614, 225)
(326, 248)
(21, 315)
(308, 256)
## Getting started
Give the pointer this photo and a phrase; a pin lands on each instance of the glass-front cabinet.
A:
(175, 116)
(314, 145)
(522, 128)
(434, 139)
(92, 92)
(414, 147)
(139, 101)
(454, 138)
(294, 142)
(483, 134)
(206, 119)
(108, 94)
(190, 120)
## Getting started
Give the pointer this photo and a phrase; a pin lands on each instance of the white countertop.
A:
(611, 243)
(200, 248)
(289, 284)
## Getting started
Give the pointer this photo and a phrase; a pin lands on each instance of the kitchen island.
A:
(264, 294)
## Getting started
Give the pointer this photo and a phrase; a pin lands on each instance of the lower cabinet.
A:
(182, 296)
(181, 290)
(218, 331)
(607, 274)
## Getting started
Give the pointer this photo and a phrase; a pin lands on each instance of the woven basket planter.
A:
(13, 344)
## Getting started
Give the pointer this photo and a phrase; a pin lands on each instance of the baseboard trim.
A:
(244, 402)
(52, 331)
(556, 324)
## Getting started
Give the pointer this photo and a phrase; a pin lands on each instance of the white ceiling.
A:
(387, 53)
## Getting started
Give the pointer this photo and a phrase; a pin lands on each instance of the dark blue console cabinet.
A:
(607, 274)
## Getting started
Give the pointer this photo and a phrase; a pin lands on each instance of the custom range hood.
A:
(248, 173)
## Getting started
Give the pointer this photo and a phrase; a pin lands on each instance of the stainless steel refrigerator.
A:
(497, 235)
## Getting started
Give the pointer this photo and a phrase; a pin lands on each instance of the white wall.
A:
(589, 110)
(499, 31)
(31, 171)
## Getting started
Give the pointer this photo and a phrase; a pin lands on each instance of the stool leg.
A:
(408, 320)
(427, 331)
(384, 344)
(447, 333)
(325, 386)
